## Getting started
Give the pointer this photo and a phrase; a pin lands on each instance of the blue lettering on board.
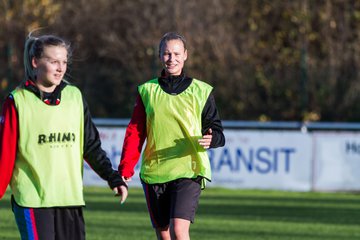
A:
(115, 155)
(225, 160)
(352, 147)
(261, 160)
(263, 155)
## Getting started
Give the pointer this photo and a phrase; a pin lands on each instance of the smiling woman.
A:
(178, 117)
(41, 155)
(37, 48)
(173, 55)
(50, 68)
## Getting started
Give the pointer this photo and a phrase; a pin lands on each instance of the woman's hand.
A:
(205, 141)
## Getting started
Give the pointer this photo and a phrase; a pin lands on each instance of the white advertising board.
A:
(264, 160)
(250, 159)
(336, 161)
(111, 141)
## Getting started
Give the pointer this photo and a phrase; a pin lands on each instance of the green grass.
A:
(223, 214)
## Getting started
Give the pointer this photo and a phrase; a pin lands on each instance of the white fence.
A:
(299, 158)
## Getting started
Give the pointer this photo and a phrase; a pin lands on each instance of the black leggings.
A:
(55, 223)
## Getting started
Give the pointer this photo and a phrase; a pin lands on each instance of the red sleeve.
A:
(134, 139)
(8, 143)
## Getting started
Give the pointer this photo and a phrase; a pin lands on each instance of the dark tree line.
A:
(268, 60)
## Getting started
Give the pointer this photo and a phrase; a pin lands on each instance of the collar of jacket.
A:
(53, 98)
(174, 84)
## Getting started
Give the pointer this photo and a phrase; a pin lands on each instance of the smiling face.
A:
(173, 56)
(50, 67)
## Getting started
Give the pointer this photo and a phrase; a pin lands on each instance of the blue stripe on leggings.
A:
(23, 220)
(29, 224)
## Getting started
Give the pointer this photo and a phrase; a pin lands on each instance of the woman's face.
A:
(172, 56)
(50, 67)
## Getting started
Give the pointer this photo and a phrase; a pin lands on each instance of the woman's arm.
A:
(134, 139)
(9, 132)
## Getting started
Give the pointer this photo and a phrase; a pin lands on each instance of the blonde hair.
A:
(34, 47)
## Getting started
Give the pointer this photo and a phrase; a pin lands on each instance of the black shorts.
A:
(49, 223)
(175, 199)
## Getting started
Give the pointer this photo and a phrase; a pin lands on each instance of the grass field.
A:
(223, 214)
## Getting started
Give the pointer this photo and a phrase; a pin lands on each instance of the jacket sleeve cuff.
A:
(115, 180)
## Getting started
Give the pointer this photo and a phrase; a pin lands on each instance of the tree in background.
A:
(17, 19)
(268, 60)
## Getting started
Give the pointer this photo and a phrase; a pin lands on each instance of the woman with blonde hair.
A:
(45, 133)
